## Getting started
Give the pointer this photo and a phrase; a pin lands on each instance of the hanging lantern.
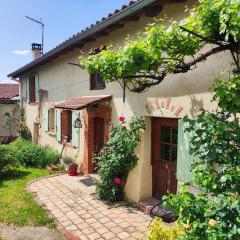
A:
(77, 123)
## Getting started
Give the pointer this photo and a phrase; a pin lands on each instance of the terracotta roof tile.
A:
(8, 91)
(82, 102)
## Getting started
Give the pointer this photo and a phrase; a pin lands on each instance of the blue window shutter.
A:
(184, 159)
(27, 90)
(58, 125)
(46, 120)
(37, 87)
(75, 131)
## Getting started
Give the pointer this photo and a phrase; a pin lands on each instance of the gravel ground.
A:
(9, 232)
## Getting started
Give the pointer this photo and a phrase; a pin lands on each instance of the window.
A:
(51, 120)
(66, 125)
(96, 82)
(168, 142)
(32, 89)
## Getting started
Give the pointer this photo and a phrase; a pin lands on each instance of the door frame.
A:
(101, 111)
(155, 129)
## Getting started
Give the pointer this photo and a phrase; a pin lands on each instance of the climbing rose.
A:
(121, 118)
(118, 180)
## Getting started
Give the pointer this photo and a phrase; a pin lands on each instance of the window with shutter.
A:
(66, 125)
(96, 82)
(184, 158)
(58, 124)
(27, 90)
(75, 131)
(32, 89)
(46, 119)
(37, 88)
(51, 120)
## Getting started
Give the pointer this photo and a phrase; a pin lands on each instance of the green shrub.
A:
(7, 157)
(117, 158)
(32, 155)
(52, 155)
(19, 143)
(159, 231)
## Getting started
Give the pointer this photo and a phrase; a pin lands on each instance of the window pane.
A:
(99, 82)
(165, 134)
(165, 152)
(175, 135)
(174, 153)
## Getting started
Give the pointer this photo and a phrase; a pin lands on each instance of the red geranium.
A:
(121, 118)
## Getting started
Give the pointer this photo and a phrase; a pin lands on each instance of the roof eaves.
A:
(76, 39)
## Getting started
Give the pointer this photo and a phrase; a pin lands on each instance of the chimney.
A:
(36, 50)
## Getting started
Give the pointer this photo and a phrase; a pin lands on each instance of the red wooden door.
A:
(164, 155)
(98, 135)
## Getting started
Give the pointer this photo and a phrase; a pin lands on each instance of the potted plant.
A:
(65, 162)
(72, 170)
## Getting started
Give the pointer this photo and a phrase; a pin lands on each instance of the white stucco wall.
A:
(189, 91)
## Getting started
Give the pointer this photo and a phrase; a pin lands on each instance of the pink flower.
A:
(121, 118)
(118, 180)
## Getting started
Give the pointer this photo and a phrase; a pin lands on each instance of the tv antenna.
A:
(42, 26)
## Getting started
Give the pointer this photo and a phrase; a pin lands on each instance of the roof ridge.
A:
(74, 39)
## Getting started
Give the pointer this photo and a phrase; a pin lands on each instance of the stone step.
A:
(145, 205)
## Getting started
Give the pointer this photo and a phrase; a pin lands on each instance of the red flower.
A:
(121, 118)
(118, 180)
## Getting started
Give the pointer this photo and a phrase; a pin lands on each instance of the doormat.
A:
(87, 182)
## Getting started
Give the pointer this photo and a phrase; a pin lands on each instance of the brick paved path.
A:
(77, 210)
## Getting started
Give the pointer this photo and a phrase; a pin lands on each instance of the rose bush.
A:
(117, 158)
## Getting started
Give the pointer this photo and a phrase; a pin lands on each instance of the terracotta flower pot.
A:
(72, 170)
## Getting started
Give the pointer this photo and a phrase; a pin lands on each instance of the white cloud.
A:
(8, 80)
(21, 52)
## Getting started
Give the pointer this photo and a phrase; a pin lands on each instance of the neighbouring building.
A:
(9, 103)
(59, 97)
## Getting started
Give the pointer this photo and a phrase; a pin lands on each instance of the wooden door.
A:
(164, 155)
(98, 135)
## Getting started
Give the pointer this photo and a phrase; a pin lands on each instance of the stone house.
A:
(9, 102)
(64, 103)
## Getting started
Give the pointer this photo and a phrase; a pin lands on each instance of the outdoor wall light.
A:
(77, 123)
(7, 114)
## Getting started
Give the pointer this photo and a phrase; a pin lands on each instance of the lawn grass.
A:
(16, 205)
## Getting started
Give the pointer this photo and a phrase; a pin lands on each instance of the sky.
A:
(62, 18)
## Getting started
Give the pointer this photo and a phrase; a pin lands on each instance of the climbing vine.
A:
(215, 145)
(164, 50)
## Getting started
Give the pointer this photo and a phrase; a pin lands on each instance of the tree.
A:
(11, 120)
(162, 51)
